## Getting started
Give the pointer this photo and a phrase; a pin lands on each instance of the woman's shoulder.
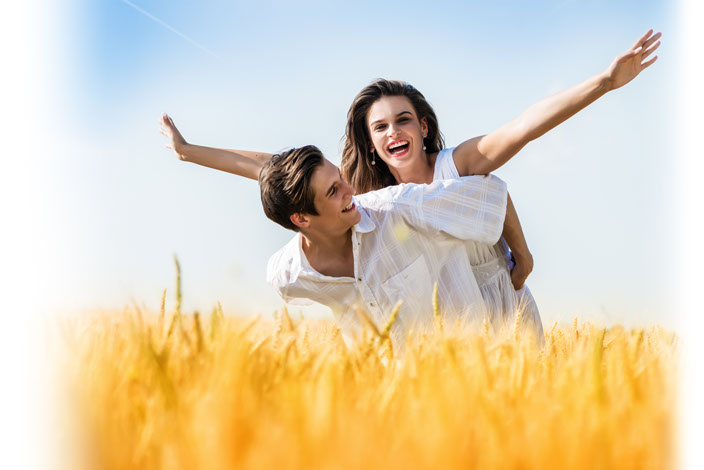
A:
(444, 166)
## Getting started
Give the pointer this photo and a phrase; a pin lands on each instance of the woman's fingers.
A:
(166, 120)
(642, 39)
(651, 40)
(650, 50)
(649, 62)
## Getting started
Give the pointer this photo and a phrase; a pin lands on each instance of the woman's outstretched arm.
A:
(484, 154)
(239, 162)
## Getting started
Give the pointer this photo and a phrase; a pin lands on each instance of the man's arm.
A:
(239, 162)
(469, 208)
(484, 154)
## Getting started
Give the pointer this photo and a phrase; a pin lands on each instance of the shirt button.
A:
(359, 279)
(371, 304)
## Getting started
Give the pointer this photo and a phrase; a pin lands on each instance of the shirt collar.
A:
(365, 224)
(299, 262)
(300, 267)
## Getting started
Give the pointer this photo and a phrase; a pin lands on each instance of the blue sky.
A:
(594, 195)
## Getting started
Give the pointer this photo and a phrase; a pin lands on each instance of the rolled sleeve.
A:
(468, 208)
(278, 276)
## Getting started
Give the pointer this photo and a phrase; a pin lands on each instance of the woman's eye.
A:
(379, 128)
(403, 120)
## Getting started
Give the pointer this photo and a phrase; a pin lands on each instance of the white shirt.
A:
(408, 238)
(492, 269)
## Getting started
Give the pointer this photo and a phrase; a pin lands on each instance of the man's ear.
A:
(300, 220)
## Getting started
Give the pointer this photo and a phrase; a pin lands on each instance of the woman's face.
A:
(395, 131)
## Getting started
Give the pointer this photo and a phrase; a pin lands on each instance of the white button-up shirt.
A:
(408, 238)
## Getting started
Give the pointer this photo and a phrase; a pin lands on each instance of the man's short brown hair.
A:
(285, 187)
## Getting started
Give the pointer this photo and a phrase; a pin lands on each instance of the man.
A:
(372, 250)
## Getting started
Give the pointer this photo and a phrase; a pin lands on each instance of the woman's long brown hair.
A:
(356, 166)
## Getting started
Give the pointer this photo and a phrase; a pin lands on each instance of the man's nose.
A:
(349, 189)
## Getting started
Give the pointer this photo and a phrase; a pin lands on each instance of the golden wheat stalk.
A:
(178, 285)
(367, 321)
(436, 309)
(286, 319)
(392, 319)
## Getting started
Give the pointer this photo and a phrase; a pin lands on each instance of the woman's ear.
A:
(424, 127)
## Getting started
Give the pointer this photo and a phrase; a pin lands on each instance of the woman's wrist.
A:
(604, 83)
(183, 150)
(524, 258)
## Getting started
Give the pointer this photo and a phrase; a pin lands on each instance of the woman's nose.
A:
(393, 130)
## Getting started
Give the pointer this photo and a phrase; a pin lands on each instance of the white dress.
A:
(491, 266)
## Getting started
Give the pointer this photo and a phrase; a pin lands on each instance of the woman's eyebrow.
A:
(399, 114)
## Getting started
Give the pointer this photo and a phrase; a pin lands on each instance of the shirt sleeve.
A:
(277, 276)
(468, 208)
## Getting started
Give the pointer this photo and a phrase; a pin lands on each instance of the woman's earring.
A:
(373, 156)
(424, 136)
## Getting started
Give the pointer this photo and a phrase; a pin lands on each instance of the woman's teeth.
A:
(398, 147)
(348, 207)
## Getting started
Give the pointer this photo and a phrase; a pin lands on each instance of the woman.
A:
(392, 137)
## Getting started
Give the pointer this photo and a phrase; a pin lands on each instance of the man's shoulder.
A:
(282, 273)
(280, 265)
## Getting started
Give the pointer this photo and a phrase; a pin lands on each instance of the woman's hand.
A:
(176, 141)
(627, 66)
(522, 267)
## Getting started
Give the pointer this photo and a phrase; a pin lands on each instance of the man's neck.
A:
(330, 255)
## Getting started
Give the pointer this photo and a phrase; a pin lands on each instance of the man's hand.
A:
(627, 66)
(176, 141)
(522, 267)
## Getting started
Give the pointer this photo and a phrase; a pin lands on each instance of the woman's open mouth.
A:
(398, 148)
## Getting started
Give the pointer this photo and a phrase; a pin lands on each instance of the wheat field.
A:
(162, 390)
(181, 392)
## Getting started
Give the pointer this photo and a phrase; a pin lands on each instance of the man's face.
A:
(333, 200)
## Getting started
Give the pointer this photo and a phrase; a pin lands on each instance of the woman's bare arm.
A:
(239, 162)
(516, 241)
(484, 154)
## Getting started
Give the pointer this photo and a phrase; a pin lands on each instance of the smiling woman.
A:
(377, 107)
(392, 136)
